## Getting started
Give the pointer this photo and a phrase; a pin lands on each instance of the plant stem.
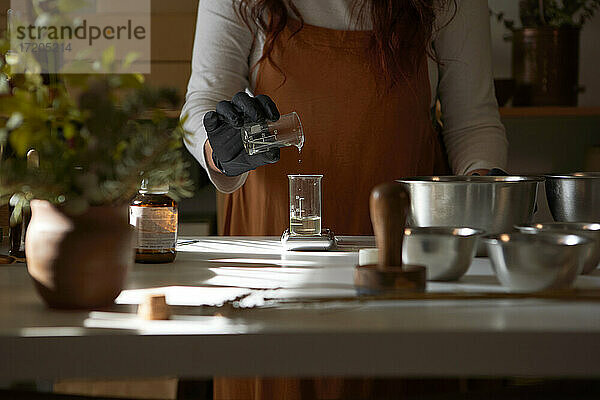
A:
(542, 12)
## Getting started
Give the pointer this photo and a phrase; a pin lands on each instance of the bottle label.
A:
(155, 227)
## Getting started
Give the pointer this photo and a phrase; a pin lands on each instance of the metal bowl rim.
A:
(494, 239)
(574, 175)
(445, 231)
(566, 227)
(466, 179)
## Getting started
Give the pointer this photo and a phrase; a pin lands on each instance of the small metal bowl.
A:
(530, 263)
(447, 252)
(588, 230)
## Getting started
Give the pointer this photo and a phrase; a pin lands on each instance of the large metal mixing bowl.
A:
(530, 263)
(446, 252)
(492, 203)
(574, 197)
(588, 230)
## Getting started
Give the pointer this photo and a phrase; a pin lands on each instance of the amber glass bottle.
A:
(153, 214)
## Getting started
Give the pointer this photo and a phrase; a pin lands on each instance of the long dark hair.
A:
(401, 30)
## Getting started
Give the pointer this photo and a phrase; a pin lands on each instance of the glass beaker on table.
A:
(305, 204)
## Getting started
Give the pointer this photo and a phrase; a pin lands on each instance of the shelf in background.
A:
(175, 114)
(550, 111)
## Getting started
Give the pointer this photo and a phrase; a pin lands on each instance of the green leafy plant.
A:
(97, 137)
(552, 13)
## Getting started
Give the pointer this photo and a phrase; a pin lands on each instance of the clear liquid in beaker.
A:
(305, 225)
(257, 138)
(305, 204)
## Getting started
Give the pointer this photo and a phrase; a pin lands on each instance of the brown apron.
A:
(358, 134)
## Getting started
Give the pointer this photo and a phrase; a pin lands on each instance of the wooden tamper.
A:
(389, 205)
(154, 307)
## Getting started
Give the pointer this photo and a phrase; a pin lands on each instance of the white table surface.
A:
(399, 338)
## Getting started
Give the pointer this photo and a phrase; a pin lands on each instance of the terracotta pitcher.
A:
(78, 261)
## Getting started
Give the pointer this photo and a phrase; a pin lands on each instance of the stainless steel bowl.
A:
(492, 203)
(588, 230)
(530, 263)
(446, 252)
(574, 197)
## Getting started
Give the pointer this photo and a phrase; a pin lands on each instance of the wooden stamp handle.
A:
(389, 207)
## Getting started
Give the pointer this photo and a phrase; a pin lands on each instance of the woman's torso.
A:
(359, 131)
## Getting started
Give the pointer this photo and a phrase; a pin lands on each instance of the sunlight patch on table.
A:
(266, 278)
(58, 331)
(177, 325)
(268, 262)
(239, 246)
(184, 295)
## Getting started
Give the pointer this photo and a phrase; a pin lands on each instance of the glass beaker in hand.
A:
(305, 204)
(263, 136)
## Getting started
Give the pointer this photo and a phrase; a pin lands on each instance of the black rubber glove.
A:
(497, 172)
(494, 172)
(223, 129)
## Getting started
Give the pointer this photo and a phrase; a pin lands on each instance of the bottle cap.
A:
(148, 187)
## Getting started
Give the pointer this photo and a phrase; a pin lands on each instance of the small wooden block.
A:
(408, 278)
(154, 307)
(6, 259)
